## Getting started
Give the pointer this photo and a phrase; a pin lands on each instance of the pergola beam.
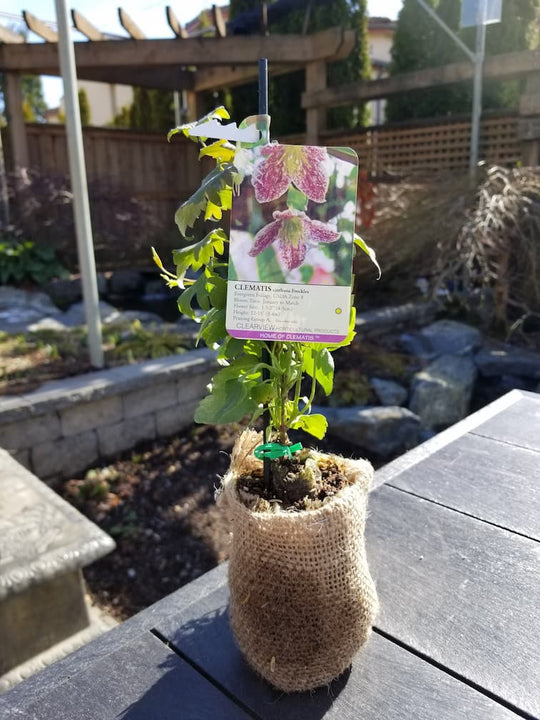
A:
(8, 36)
(331, 44)
(166, 78)
(85, 27)
(38, 27)
(506, 65)
(219, 22)
(174, 23)
(131, 27)
(213, 78)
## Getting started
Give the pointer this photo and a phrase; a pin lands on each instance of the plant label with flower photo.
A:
(291, 242)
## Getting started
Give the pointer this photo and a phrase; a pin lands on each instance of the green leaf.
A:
(216, 188)
(217, 289)
(231, 348)
(221, 150)
(197, 291)
(199, 254)
(228, 402)
(369, 252)
(213, 327)
(324, 363)
(315, 425)
(157, 259)
(263, 393)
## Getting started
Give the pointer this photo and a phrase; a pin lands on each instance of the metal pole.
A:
(81, 207)
(265, 358)
(477, 88)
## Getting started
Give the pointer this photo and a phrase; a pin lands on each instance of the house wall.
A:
(105, 100)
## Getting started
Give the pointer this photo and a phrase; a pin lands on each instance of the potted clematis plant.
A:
(302, 598)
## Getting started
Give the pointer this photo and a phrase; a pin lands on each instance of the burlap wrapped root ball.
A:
(302, 600)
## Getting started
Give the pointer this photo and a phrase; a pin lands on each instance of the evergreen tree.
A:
(244, 100)
(420, 43)
(285, 91)
(151, 110)
(84, 107)
(34, 104)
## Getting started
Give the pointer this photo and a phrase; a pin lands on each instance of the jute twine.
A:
(302, 598)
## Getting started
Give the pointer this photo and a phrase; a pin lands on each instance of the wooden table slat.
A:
(386, 681)
(140, 681)
(483, 477)
(459, 591)
(518, 425)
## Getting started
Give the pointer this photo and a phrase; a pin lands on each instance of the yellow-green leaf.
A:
(369, 252)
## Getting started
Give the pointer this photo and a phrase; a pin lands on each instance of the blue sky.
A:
(148, 14)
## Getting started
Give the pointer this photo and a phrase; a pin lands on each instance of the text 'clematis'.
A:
(305, 167)
(294, 233)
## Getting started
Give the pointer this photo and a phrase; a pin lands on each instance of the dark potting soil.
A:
(157, 501)
(286, 483)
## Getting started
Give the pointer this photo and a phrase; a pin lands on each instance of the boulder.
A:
(444, 337)
(385, 431)
(389, 392)
(441, 393)
(126, 282)
(67, 291)
(19, 308)
(75, 314)
(506, 359)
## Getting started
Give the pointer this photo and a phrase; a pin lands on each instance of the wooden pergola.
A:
(190, 64)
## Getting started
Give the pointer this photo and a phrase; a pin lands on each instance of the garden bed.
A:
(157, 501)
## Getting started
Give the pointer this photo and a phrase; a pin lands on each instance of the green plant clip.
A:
(275, 450)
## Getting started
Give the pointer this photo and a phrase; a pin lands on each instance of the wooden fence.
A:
(424, 146)
(137, 179)
(136, 182)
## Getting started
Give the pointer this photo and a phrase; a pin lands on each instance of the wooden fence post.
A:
(315, 117)
(193, 106)
(15, 122)
(529, 123)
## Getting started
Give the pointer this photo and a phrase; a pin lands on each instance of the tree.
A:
(244, 99)
(151, 110)
(84, 107)
(34, 104)
(285, 91)
(420, 43)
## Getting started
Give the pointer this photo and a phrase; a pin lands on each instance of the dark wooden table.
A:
(453, 542)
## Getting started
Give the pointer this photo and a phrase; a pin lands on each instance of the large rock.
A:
(67, 291)
(389, 392)
(441, 393)
(508, 360)
(75, 314)
(19, 308)
(385, 431)
(444, 337)
(126, 282)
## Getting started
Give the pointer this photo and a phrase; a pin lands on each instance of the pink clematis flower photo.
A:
(306, 167)
(294, 232)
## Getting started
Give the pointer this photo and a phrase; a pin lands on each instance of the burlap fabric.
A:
(302, 598)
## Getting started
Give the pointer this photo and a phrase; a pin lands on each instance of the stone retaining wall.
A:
(64, 427)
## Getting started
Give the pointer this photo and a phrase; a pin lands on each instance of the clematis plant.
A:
(254, 375)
